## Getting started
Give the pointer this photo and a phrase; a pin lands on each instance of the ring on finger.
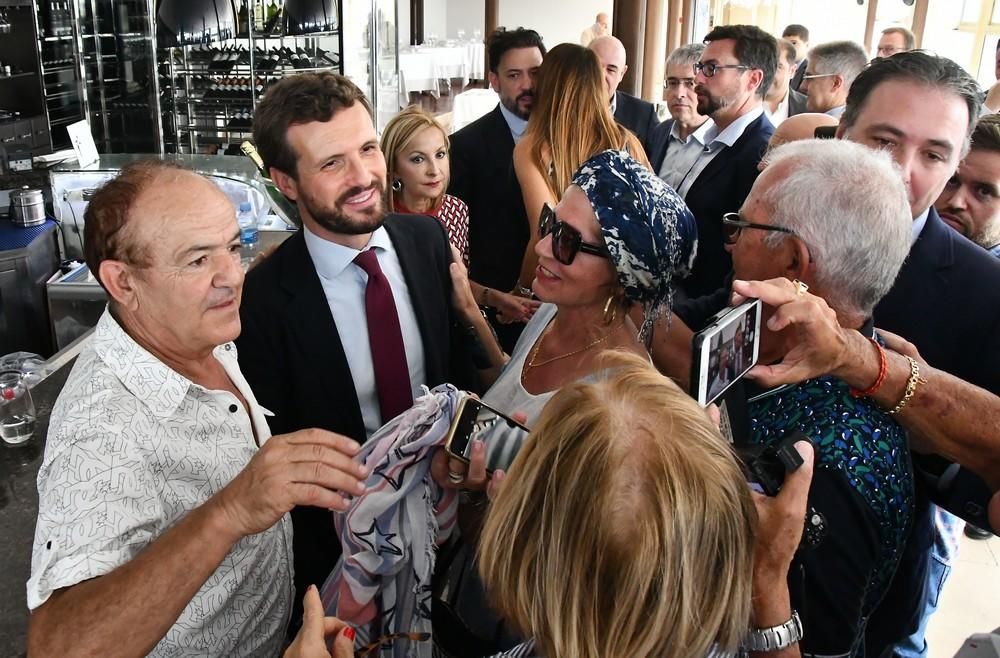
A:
(801, 288)
(455, 478)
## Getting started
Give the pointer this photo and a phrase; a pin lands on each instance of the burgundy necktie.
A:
(392, 377)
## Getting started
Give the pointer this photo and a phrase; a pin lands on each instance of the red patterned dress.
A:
(453, 215)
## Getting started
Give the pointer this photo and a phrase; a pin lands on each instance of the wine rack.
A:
(210, 91)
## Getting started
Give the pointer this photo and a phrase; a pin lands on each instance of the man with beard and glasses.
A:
(731, 78)
(482, 170)
(349, 317)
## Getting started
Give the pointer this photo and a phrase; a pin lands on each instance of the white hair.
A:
(848, 203)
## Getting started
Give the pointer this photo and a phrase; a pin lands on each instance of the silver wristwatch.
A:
(775, 638)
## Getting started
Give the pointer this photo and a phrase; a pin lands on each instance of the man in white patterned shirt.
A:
(163, 523)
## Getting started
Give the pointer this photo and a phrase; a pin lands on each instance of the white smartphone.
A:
(724, 350)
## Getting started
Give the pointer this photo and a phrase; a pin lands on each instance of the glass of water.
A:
(17, 411)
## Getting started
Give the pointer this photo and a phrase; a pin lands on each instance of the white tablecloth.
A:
(470, 105)
(422, 67)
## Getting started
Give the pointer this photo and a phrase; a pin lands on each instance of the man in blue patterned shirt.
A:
(835, 216)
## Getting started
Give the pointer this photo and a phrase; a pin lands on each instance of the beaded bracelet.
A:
(882, 370)
(911, 386)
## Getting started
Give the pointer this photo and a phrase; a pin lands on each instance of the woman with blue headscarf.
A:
(620, 237)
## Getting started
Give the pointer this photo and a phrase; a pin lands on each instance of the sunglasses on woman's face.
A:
(566, 240)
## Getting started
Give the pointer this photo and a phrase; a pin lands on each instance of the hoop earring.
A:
(397, 185)
(610, 305)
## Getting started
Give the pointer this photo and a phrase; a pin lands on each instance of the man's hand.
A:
(781, 520)
(310, 642)
(818, 345)
(308, 467)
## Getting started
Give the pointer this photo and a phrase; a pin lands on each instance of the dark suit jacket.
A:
(722, 187)
(946, 301)
(482, 175)
(796, 103)
(637, 115)
(799, 72)
(292, 357)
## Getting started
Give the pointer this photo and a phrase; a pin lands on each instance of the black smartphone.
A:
(475, 420)
(723, 351)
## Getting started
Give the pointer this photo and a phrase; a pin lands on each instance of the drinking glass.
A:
(17, 411)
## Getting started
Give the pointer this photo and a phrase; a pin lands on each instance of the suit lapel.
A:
(422, 296)
(726, 158)
(313, 327)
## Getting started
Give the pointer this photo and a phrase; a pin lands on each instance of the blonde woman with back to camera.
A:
(625, 528)
(416, 155)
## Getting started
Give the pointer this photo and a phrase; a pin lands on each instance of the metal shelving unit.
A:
(97, 60)
(210, 91)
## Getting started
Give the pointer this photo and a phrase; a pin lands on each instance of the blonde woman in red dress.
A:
(416, 155)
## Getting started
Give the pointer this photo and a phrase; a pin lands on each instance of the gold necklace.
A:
(538, 346)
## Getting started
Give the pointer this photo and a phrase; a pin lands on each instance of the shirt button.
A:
(229, 347)
(233, 408)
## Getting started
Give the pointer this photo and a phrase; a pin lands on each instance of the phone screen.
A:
(725, 350)
(476, 421)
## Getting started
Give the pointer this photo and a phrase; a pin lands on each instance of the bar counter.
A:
(19, 507)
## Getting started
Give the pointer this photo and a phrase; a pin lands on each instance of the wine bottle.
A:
(280, 204)
(243, 19)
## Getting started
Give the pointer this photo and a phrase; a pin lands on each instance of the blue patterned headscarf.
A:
(649, 231)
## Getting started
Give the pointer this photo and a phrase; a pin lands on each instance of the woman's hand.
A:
(512, 308)
(311, 640)
(453, 473)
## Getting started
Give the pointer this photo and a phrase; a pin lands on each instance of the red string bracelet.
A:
(882, 370)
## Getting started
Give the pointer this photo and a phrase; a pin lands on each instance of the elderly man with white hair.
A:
(832, 216)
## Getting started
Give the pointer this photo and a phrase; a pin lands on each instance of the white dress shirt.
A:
(779, 114)
(133, 447)
(682, 153)
(715, 142)
(516, 124)
(344, 286)
(918, 226)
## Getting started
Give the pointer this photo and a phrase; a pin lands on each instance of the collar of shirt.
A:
(516, 124)
(331, 259)
(836, 111)
(614, 102)
(918, 226)
(698, 134)
(734, 130)
(160, 387)
(781, 113)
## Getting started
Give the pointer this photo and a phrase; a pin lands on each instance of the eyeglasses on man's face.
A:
(733, 224)
(813, 76)
(567, 242)
(674, 84)
(709, 69)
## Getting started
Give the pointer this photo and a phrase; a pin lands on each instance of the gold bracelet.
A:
(911, 386)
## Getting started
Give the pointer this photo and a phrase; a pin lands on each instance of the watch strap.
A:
(775, 638)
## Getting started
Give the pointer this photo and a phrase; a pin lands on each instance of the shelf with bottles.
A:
(269, 19)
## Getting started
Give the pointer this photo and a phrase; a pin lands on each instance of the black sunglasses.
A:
(566, 240)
